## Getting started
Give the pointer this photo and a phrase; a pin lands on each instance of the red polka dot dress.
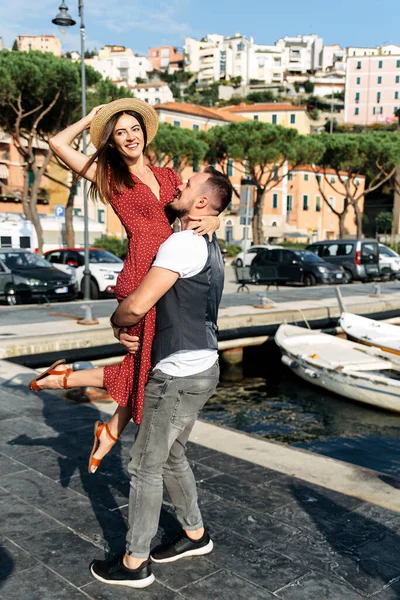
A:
(147, 227)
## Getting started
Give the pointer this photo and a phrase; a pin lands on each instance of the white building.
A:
(302, 53)
(333, 58)
(120, 64)
(153, 93)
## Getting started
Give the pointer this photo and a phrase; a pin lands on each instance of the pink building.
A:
(372, 89)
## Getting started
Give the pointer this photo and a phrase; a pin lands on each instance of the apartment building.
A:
(302, 53)
(333, 58)
(120, 64)
(42, 43)
(275, 113)
(165, 58)
(372, 88)
(153, 93)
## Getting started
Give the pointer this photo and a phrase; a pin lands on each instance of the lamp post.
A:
(63, 19)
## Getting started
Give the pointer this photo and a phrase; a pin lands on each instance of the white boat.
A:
(371, 333)
(346, 368)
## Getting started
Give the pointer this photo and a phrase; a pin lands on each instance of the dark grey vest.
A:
(187, 314)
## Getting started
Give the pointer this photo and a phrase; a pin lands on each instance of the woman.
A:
(138, 193)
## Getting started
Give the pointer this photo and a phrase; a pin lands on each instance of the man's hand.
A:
(131, 342)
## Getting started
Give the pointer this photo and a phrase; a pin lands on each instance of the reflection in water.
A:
(286, 409)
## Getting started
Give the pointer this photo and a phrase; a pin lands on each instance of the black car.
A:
(293, 266)
(25, 276)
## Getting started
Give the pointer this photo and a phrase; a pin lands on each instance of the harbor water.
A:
(263, 397)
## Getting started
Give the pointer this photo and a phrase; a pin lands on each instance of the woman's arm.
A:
(61, 146)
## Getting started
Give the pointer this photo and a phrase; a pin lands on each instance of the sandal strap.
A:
(67, 373)
(114, 439)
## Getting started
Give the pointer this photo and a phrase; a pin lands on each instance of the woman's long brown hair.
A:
(112, 171)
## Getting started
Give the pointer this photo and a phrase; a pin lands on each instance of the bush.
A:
(233, 250)
(112, 244)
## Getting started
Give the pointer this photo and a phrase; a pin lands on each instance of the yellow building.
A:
(275, 113)
(42, 43)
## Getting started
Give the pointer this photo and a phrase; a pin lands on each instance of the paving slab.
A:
(277, 532)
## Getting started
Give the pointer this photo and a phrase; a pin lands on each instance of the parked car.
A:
(293, 266)
(25, 276)
(250, 254)
(389, 262)
(103, 265)
(359, 258)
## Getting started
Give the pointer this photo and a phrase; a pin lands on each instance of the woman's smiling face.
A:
(128, 137)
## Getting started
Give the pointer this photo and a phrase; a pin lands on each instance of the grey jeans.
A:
(171, 407)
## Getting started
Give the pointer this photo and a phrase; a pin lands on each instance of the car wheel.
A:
(94, 290)
(239, 262)
(309, 279)
(12, 298)
(348, 277)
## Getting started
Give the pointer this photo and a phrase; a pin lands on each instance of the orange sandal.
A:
(50, 371)
(98, 428)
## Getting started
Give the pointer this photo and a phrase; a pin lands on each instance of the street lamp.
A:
(63, 19)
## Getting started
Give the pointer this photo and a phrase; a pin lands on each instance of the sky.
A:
(141, 24)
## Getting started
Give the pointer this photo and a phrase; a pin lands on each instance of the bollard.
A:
(264, 301)
(88, 318)
(377, 289)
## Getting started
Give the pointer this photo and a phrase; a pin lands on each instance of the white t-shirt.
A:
(186, 254)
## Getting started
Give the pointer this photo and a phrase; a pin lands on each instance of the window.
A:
(100, 215)
(380, 64)
(333, 179)
(55, 258)
(289, 203)
(274, 119)
(176, 162)
(25, 241)
(276, 173)
(318, 178)
(379, 80)
(398, 64)
(395, 110)
(196, 127)
(397, 78)
(358, 80)
(396, 95)
(230, 167)
(255, 118)
(292, 119)
(290, 176)
(177, 123)
(195, 165)
(305, 202)
(357, 96)
(332, 203)
(274, 200)
(357, 111)
(378, 96)
(77, 212)
(377, 110)
(318, 203)
(229, 233)
(5, 241)
(146, 100)
(359, 64)
(305, 176)
(157, 100)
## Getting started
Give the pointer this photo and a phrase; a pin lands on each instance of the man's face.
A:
(189, 193)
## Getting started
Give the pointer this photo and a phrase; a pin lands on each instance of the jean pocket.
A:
(188, 405)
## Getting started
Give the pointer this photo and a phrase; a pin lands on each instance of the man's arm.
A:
(156, 283)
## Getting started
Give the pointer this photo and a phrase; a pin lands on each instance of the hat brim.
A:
(147, 112)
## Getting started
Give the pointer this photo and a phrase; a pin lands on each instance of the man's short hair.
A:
(222, 188)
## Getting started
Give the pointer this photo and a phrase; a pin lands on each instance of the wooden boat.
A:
(371, 333)
(346, 368)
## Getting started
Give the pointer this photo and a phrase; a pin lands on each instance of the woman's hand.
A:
(131, 342)
(204, 225)
(89, 117)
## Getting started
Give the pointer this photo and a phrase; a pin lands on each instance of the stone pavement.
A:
(276, 536)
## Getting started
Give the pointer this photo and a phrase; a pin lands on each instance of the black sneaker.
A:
(114, 572)
(182, 546)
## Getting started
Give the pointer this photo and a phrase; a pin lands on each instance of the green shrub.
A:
(112, 244)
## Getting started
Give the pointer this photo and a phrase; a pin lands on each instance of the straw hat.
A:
(147, 112)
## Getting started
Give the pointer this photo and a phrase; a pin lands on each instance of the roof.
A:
(264, 107)
(148, 85)
(200, 111)
(71, 249)
(310, 169)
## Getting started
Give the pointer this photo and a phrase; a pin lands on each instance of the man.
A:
(186, 281)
